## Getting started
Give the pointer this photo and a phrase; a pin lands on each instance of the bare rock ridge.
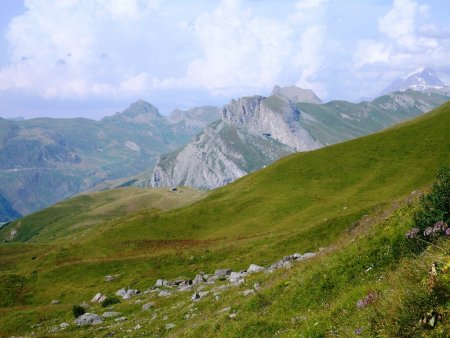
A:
(256, 131)
(296, 94)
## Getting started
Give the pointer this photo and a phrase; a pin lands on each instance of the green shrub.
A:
(78, 310)
(110, 300)
(435, 206)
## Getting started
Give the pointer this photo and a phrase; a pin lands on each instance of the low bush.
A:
(110, 300)
(78, 310)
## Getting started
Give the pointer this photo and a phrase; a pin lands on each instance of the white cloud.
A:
(119, 47)
(310, 58)
(238, 48)
(407, 41)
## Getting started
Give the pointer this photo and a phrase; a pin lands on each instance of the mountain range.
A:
(255, 131)
(45, 160)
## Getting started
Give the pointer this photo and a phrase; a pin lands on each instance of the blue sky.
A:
(92, 58)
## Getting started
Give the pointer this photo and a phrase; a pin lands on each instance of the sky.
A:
(91, 58)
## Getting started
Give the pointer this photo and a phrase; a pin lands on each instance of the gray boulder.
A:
(162, 282)
(222, 272)
(170, 326)
(255, 268)
(88, 319)
(127, 293)
(198, 280)
(98, 298)
(183, 288)
(236, 276)
(64, 326)
(199, 295)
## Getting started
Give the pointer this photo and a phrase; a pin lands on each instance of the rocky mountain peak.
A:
(141, 107)
(296, 94)
(422, 79)
(139, 112)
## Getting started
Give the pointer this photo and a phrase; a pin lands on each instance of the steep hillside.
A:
(44, 160)
(278, 126)
(350, 203)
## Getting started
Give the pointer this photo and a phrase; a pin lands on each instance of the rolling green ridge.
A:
(353, 199)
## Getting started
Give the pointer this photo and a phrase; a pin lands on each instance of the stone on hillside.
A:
(308, 255)
(238, 282)
(183, 288)
(110, 314)
(98, 298)
(236, 276)
(137, 327)
(212, 279)
(198, 280)
(254, 268)
(88, 319)
(222, 272)
(54, 302)
(164, 294)
(161, 282)
(170, 326)
(64, 326)
(199, 295)
(127, 293)
(147, 306)
(181, 282)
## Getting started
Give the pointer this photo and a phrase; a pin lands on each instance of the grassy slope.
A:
(78, 215)
(301, 203)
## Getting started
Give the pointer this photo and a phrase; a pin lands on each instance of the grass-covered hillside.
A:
(350, 203)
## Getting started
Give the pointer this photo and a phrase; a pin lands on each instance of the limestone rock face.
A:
(256, 131)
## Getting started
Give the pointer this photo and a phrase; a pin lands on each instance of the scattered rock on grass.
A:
(253, 268)
(98, 298)
(64, 326)
(88, 319)
(170, 326)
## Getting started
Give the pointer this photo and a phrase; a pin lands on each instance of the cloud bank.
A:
(124, 49)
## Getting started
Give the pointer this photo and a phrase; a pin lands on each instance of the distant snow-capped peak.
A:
(422, 79)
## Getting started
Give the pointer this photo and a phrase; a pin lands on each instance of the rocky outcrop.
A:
(271, 116)
(216, 157)
(88, 319)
